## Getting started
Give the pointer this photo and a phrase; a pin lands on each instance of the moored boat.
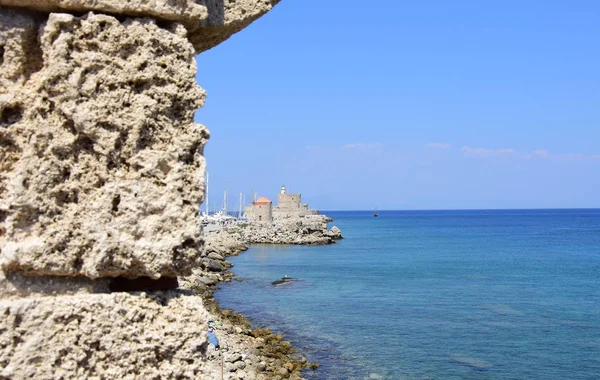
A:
(284, 280)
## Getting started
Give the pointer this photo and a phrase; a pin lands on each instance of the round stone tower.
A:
(263, 210)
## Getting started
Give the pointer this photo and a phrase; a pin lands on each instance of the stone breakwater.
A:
(256, 352)
(308, 230)
(233, 239)
(101, 172)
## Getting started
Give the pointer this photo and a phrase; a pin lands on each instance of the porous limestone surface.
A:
(101, 175)
(225, 18)
(209, 22)
(14, 285)
(101, 162)
(111, 336)
(166, 9)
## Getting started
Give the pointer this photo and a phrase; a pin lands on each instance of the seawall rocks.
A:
(309, 229)
(101, 174)
(231, 240)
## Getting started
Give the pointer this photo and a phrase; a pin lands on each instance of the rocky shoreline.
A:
(251, 353)
(101, 176)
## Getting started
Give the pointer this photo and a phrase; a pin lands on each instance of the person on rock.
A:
(212, 339)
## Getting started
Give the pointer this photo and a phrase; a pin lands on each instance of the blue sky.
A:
(409, 105)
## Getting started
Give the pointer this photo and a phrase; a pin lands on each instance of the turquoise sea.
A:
(511, 294)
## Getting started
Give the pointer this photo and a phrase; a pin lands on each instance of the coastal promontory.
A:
(101, 174)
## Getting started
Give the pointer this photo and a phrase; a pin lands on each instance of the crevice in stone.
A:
(123, 284)
(17, 321)
(189, 157)
(3, 216)
(63, 197)
(145, 139)
(180, 251)
(78, 263)
(85, 143)
(11, 115)
(115, 203)
(34, 55)
(70, 126)
(121, 140)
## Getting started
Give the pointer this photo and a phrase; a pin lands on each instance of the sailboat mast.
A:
(240, 212)
(225, 202)
(206, 200)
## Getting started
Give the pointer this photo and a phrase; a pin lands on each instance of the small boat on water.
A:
(376, 213)
(284, 280)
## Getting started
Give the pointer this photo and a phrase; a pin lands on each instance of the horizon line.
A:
(472, 209)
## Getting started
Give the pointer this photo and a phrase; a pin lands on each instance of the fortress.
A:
(288, 206)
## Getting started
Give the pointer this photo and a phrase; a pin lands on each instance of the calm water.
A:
(436, 295)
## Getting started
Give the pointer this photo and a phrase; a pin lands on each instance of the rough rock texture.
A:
(224, 243)
(115, 336)
(249, 354)
(230, 240)
(101, 172)
(16, 285)
(226, 17)
(335, 233)
(102, 164)
(309, 229)
(209, 22)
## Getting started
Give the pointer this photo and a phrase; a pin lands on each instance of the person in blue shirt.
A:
(212, 339)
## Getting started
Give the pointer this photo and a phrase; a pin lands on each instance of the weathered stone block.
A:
(209, 22)
(102, 167)
(113, 336)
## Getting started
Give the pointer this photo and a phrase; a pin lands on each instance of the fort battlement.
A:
(288, 206)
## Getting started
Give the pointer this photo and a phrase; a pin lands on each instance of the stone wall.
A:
(287, 213)
(259, 213)
(101, 174)
(263, 213)
(104, 167)
(289, 201)
(290, 206)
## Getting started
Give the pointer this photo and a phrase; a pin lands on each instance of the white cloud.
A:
(438, 145)
(539, 153)
(375, 145)
(484, 152)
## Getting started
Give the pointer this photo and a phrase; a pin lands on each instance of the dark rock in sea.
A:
(214, 265)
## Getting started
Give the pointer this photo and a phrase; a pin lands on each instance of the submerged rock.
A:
(477, 364)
